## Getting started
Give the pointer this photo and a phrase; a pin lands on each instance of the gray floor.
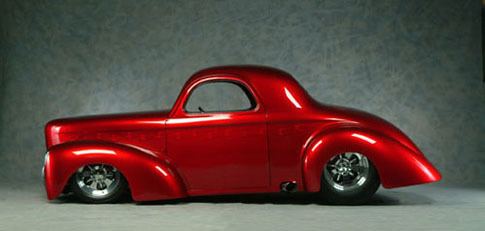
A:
(422, 208)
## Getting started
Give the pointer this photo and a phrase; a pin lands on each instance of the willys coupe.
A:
(232, 130)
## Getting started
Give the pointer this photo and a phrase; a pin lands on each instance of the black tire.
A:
(116, 194)
(354, 196)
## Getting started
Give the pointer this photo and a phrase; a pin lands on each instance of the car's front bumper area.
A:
(47, 175)
(46, 159)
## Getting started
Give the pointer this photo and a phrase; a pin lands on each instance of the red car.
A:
(232, 130)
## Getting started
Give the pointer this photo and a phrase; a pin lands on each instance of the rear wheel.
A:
(98, 183)
(349, 178)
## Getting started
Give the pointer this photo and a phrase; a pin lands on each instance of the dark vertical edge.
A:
(483, 41)
(3, 45)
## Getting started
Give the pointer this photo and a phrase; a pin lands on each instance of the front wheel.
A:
(98, 183)
(349, 178)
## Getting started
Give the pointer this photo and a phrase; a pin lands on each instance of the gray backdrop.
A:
(414, 63)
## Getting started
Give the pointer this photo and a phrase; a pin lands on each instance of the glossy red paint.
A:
(150, 177)
(288, 136)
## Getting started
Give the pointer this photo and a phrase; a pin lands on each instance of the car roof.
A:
(246, 72)
(270, 83)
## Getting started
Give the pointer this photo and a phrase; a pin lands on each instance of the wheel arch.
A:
(148, 176)
(396, 165)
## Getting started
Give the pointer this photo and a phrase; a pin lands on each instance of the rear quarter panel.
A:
(396, 164)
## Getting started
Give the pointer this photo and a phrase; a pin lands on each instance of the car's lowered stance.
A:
(233, 129)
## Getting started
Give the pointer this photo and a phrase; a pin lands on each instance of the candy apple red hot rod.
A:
(275, 137)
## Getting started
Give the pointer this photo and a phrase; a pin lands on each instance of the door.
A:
(218, 142)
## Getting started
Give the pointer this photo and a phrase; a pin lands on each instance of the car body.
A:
(283, 142)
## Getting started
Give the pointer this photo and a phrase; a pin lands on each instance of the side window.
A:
(219, 96)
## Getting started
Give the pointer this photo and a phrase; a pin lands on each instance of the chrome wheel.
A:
(347, 171)
(97, 180)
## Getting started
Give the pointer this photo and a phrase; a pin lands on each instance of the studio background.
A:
(417, 64)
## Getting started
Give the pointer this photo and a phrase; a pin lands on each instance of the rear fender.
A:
(396, 164)
(149, 177)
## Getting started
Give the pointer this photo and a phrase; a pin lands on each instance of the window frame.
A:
(244, 87)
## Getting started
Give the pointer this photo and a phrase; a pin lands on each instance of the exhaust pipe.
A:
(288, 186)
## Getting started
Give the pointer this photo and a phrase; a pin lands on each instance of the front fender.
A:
(149, 177)
(396, 164)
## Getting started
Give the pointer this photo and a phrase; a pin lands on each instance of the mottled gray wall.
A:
(415, 63)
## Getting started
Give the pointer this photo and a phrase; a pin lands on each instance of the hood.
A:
(61, 130)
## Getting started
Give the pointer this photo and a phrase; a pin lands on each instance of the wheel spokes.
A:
(97, 180)
(345, 171)
(101, 185)
(88, 180)
(353, 159)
